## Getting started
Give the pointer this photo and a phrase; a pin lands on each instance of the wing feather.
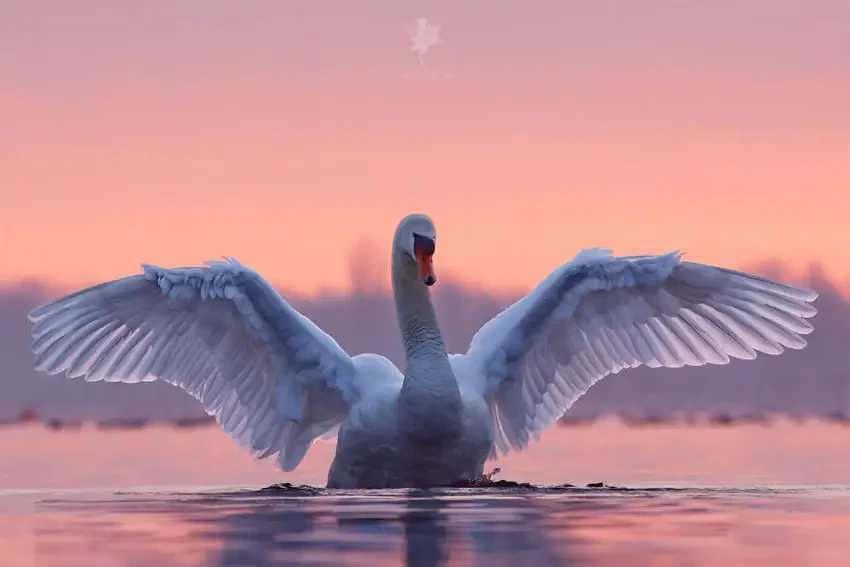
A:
(599, 314)
(273, 380)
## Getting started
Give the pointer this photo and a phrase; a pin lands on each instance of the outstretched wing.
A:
(598, 314)
(273, 380)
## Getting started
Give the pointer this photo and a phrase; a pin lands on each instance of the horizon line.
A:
(808, 275)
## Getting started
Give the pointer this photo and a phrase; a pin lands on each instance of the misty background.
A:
(814, 381)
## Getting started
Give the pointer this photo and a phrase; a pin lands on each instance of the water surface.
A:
(746, 495)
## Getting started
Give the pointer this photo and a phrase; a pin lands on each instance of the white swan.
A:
(276, 382)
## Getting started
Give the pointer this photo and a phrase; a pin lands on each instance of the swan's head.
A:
(415, 236)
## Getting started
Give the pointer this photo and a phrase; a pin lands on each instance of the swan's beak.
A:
(426, 268)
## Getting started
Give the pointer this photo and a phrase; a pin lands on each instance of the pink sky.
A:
(283, 133)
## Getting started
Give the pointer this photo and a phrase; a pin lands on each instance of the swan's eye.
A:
(423, 244)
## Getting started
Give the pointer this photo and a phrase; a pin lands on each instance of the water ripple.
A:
(504, 525)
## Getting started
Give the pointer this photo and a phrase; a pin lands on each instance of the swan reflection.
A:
(411, 528)
(417, 529)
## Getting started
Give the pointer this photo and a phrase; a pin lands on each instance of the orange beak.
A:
(426, 267)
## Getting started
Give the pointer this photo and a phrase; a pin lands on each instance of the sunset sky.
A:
(284, 133)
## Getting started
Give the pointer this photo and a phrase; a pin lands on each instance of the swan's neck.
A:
(430, 391)
(417, 320)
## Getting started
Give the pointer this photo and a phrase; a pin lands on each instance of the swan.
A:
(276, 382)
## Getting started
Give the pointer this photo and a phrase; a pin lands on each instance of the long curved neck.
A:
(417, 320)
(429, 400)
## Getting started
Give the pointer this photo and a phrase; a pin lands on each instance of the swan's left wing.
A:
(599, 314)
(273, 379)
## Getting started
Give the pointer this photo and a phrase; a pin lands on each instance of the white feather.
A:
(598, 314)
(273, 380)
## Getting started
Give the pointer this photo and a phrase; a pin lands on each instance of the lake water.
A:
(694, 496)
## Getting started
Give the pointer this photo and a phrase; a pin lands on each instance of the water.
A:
(744, 495)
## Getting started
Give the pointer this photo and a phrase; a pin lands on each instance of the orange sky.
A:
(285, 134)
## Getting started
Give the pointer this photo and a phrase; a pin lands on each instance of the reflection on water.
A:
(55, 511)
(448, 527)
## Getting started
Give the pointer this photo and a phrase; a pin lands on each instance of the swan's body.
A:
(276, 382)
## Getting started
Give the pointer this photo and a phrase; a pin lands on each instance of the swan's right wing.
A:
(273, 380)
(598, 315)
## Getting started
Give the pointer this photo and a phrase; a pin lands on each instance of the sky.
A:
(291, 134)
